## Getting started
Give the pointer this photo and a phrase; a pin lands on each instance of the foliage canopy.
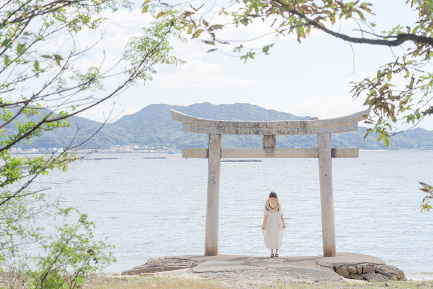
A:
(43, 82)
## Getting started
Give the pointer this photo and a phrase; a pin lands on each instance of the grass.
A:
(139, 282)
(381, 285)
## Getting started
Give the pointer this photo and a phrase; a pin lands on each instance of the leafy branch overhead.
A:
(43, 84)
(396, 91)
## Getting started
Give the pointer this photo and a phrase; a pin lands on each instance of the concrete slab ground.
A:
(313, 269)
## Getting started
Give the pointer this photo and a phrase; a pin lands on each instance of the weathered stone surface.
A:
(292, 130)
(276, 153)
(172, 268)
(352, 270)
(291, 269)
(213, 195)
(355, 277)
(342, 271)
(143, 269)
(368, 269)
(160, 265)
(153, 269)
(208, 126)
(374, 277)
(349, 259)
(269, 141)
(326, 195)
(391, 272)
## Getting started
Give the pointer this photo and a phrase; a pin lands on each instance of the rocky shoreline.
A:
(343, 268)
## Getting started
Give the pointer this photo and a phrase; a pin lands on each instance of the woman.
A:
(273, 224)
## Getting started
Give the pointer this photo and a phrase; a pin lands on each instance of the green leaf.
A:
(197, 33)
(255, 7)
(385, 139)
(19, 48)
(300, 31)
(389, 75)
(36, 65)
(380, 137)
(6, 42)
(7, 60)
(58, 57)
(160, 14)
(265, 49)
(244, 21)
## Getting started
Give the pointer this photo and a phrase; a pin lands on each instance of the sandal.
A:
(276, 255)
(272, 255)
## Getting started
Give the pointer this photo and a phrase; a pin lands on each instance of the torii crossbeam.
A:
(269, 129)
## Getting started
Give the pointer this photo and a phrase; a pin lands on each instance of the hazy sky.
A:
(312, 78)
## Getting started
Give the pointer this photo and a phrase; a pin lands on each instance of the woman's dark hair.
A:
(273, 195)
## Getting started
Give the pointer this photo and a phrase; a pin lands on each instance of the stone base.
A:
(292, 269)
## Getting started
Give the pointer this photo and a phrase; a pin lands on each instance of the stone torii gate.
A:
(269, 129)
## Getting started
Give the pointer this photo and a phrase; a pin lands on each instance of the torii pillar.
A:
(213, 195)
(269, 129)
(326, 195)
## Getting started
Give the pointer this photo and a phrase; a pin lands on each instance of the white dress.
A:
(274, 231)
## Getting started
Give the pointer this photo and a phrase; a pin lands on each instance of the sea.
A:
(150, 205)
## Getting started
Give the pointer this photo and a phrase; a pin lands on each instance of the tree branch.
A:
(400, 38)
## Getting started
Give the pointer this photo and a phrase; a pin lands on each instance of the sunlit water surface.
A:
(156, 207)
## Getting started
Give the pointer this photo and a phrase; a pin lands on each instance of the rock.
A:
(143, 269)
(153, 269)
(391, 272)
(368, 269)
(370, 272)
(342, 271)
(355, 277)
(374, 277)
(161, 264)
(178, 267)
(352, 270)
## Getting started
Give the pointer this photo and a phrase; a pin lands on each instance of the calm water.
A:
(156, 207)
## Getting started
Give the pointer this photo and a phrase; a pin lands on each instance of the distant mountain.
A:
(154, 126)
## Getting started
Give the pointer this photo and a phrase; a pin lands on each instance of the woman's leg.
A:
(276, 252)
(272, 252)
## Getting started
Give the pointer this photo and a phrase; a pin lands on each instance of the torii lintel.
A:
(282, 127)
